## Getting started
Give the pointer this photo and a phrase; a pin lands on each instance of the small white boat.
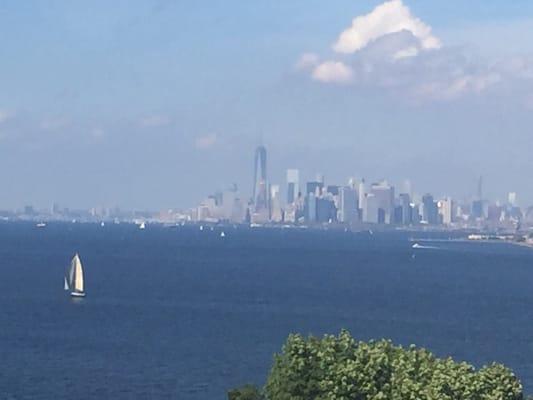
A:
(102, 224)
(142, 225)
(201, 227)
(41, 225)
(222, 234)
(416, 246)
(74, 280)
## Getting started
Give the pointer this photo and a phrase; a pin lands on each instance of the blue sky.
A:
(154, 104)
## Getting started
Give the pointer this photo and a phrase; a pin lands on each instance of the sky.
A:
(155, 104)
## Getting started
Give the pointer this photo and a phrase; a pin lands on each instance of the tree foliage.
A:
(247, 392)
(341, 368)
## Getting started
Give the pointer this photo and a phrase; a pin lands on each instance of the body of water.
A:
(179, 313)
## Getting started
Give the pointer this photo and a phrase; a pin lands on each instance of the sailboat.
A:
(74, 280)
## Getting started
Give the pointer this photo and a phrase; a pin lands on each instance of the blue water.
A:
(185, 314)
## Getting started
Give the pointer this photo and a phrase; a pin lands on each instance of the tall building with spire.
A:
(260, 196)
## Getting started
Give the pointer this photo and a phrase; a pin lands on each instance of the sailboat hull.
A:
(77, 294)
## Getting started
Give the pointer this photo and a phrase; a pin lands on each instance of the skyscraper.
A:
(293, 185)
(310, 207)
(229, 198)
(260, 192)
(348, 205)
(314, 187)
(325, 210)
(276, 213)
(371, 209)
(384, 195)
(511, 199)
(362, 196)
(431, 212)
(445, 207)
(405, 204)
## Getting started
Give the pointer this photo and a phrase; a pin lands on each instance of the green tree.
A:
(341, 368)
(247, 392)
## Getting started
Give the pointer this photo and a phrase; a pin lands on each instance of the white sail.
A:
(78, 281)
(66, 284)
(71, 273)
(76, 275)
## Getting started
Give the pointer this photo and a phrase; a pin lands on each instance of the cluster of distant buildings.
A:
(356, 203)
(314, 203)
(65, 214)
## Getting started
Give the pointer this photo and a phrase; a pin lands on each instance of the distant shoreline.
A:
(457, 234)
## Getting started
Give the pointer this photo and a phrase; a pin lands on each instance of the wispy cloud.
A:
(205, 142)
(454, 88)
(333, 71)
(306, 61)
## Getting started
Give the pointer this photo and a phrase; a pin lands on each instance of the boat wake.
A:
(420, 246)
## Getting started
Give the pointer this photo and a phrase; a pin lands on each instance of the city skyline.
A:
(149, 104)
(317, 203)
(259, 190)
(354, 204)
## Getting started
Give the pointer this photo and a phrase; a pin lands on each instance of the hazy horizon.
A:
(156, 104)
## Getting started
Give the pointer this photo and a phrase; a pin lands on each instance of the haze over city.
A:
(156, 104)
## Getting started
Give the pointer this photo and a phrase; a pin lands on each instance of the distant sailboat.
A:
(142, 225)
(74, 280)
(222, 234)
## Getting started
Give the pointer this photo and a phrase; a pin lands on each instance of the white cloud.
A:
(390, 17)
(155, 121)
(411, 51)
(386, 50)
(205, 142)
(307, 61)
(333, 71)
(458, 86)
